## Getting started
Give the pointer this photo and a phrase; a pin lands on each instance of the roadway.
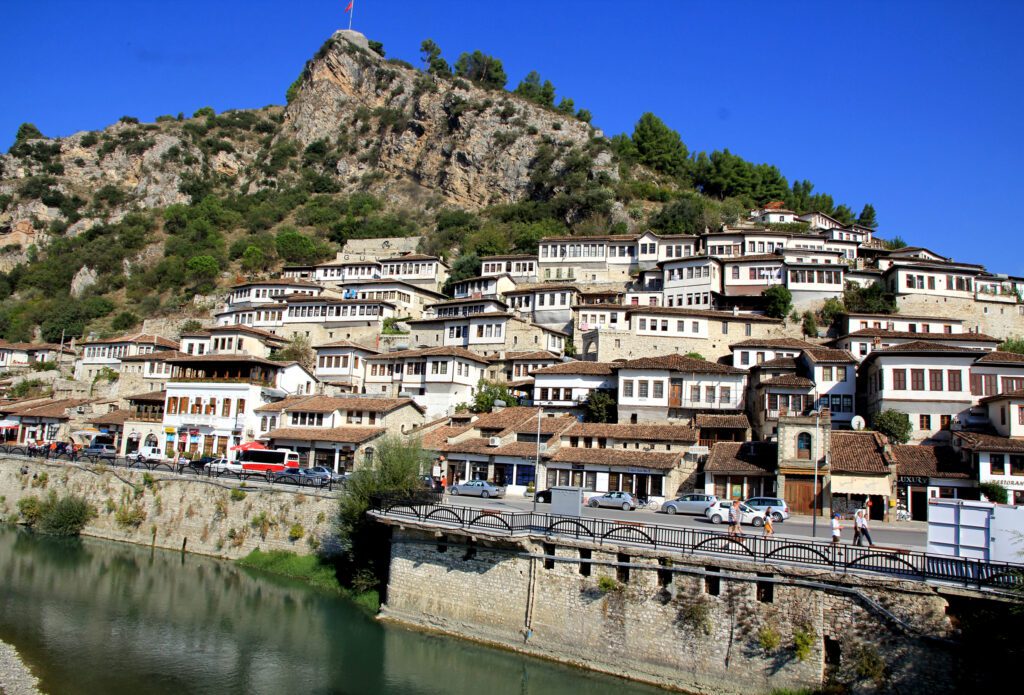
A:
(912, 535)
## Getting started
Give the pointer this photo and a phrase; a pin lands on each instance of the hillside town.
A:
(661, 346)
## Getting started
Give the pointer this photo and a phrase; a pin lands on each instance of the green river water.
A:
(98, 617)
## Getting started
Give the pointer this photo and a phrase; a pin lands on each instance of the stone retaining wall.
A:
(174, 511)
(681, 629)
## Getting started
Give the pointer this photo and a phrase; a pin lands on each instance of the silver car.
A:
(693, 503)
(719, 513)
(619, 500)
(479, 488)
(780, 510)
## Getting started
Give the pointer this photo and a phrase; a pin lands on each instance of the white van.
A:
(146, 453)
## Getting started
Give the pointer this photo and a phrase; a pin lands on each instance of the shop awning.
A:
(9, 424)
(861, 485)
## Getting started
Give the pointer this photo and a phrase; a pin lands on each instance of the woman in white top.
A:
(837, 529)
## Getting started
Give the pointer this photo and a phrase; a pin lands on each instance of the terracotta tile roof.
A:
(1019, 393)
(510, 257)
(922, 346)
(329, 404)
(156, 356)
(978, 441)
(51, 409)
(829, 355)
(278, 281)
(437, 438)
(789, 381)
(466, 300)
(755, 258)
(430, 352)
(746, 458)
(930, 461)
(212, 359)
(660, 460)
(523, 355)
(705, 313)
(528, 287)
(348, 435)
(9, 406)
(410, 257)
(322, 299)
(548, 425)
(505, 418)
(236, 328)
(114, 417)
(148, 396)
(347, 344)
(138, 338)
(578, 367)
(680, 363)
(646, 433)
(859, 452)
(777, 363)
(773, 342)
(721, 421)
(882, 333)
(1001, 357)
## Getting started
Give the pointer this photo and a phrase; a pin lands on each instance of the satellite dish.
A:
(857, 422)
(386, 244)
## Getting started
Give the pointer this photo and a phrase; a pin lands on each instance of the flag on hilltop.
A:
(348, 7)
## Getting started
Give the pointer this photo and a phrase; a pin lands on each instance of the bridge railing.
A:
(840, 558)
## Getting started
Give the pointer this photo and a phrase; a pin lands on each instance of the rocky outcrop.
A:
(83, 280)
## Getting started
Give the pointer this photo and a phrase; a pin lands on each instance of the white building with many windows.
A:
(438, 379)
(677, 388)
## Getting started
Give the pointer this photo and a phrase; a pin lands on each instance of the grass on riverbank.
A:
(311, 570)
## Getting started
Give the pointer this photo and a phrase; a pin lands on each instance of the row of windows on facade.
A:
(701, 299)
(692, 272)
(816, 277)
(953, 282)
(911, 327)
(802, 403)
(483, 330)
(261, 316)
(333, 310)
(953, 380)
(184, 406)
(119, 350)
(656, 389)
(602, 443)
(681, 326)
(336, 361)
(514, 268)
(997, 462)
(1002, 415)
(419, 368)
(349, 271)
(267, 292)
(639, 484)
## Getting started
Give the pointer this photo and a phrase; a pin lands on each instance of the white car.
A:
(718, 513)
(219, 466)
(146, 453)
(480, 488)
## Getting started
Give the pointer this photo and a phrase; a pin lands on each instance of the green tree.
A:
(377, 47)
(203, 272)
(844, 214)
(532, 89)
(896, 242)
(778, 301)
(994, 492)
(810, 324)
(295, 247)
(253, 259)
(124, 321)
(600, 407)
(487, 392)
(26, 131)
(658, 146)
(867, 217)
(432, 60)
(566, 106)
(1015, 344)
(293, 89)
(873, 299)
(298, 350)
(893, 424)
(830, 310)
(395, 469)
(204, 112)
(482, 69)
(465, 266)
(683, 216)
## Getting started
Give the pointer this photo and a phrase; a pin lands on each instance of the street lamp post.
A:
(536, 462)
(814, 488)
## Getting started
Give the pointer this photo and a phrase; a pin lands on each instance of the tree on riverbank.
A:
(396, 469)
(66, 516)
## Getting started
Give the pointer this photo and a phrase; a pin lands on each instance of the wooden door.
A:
(800, 495)
(675, 394)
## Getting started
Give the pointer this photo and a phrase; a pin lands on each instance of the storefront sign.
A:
(912, 480)
(169, 430)
(1006, 481)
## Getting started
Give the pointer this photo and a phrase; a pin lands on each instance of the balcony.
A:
(204, 420)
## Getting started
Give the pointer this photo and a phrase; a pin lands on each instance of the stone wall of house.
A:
(658, 617)
(606, 345)
(999, 319)
(174, 511)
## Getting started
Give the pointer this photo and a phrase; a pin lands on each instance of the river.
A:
(91, 616)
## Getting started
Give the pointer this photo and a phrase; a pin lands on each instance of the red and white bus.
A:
(267, 460)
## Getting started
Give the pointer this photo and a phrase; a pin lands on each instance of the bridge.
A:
(428, 511)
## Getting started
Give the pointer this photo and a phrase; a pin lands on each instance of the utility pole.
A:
(536, 464)
(817, 451)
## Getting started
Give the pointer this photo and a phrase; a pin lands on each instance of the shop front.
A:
(853, 492)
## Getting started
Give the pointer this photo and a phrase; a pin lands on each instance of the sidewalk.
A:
(892, 525)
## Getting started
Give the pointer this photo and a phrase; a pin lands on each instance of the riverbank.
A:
(312, 571)
(15, 677)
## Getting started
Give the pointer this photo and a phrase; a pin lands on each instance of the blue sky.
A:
(912, 106)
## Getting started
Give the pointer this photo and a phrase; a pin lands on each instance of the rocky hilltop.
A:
(376, 125)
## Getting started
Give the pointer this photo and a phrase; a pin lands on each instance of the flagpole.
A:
(350, 14)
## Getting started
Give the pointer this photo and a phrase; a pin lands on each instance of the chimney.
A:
(735, 310)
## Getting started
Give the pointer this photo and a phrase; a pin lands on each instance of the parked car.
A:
(693, 503)
(620, 500)
(479, 488)
(317, 475)
(145, 453)
(103, 451)
(719, 513)
(220, 466)
(292, 474)
(780, 510)
(544, 496)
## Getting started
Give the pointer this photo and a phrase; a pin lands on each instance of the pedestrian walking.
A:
(837, 529)
(769, 530)
(735, 518)
(861, 528)
(856, 529)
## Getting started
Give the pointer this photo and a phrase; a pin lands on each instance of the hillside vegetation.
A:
(140, 218)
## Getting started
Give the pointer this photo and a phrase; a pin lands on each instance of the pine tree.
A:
(659, 147)
(867, 217)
